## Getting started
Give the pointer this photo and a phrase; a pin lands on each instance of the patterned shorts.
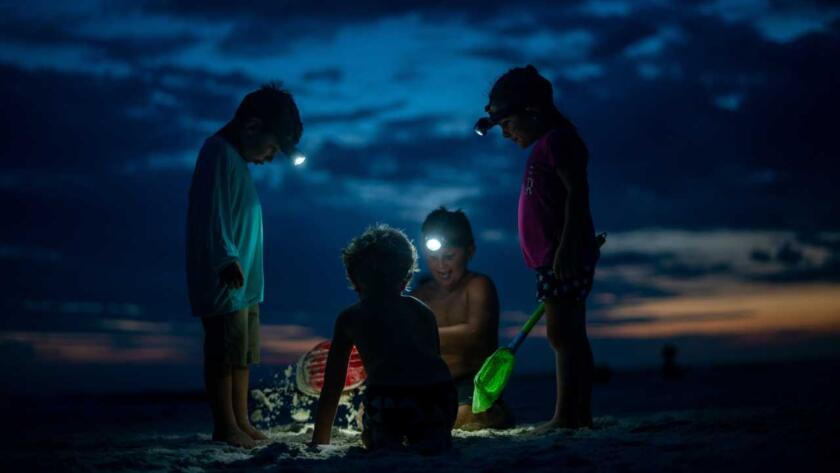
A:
(549, 286)
(420, 417)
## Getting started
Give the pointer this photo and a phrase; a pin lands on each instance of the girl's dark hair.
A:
(524, 86)
(453, 226)
(381, 258)
(276, 107)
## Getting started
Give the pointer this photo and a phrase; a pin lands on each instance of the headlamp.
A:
(495, 115)
(295, 155)
(434, 243)
(483, 125)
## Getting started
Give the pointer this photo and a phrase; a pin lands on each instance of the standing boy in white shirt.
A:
(225, 251)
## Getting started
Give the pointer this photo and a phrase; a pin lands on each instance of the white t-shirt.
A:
(224, 224)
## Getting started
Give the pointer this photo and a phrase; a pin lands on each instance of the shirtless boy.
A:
(466, 308)
(410, 398)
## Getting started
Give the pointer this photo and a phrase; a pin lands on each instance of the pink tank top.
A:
(542, 199)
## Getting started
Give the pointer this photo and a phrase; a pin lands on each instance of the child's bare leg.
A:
(240, 375)
(566, 327)
(465, 418)
(217, 381)
(497, 417)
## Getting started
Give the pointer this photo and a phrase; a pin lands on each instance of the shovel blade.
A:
(491, 379)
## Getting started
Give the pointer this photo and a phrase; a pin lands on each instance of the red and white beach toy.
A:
(311, 366)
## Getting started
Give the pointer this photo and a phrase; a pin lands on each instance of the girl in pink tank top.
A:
(556, 232)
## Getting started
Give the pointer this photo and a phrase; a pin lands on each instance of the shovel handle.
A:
(520, 337)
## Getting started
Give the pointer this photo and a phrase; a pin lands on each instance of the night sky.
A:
(712, 129)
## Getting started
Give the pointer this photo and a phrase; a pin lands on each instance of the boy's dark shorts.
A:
(575, 290)
(422, 416)
(233, 338)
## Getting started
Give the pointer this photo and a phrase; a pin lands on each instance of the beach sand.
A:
(773, 417)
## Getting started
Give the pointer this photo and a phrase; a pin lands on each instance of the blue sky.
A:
(713, 165)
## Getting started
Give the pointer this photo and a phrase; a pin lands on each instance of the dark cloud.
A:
(648, 319)
(362, 113)
(413, 128)
(673, 150)
(267, 36)
(661, 263)
(761, 256)
(615, 36)
(798, 267)
(827, 271)
(65, 121)
(74, 126)
(406, 75)
(626, 289)
(409, 152)
(59, 32)
(180, 78)
(508, 55)
(330, 74)
(264, 28)
(634, 258)
(789, 255)
(328, 12)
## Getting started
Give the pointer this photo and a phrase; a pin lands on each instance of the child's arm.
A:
(334, 376)
(211, 194)
(572, 173)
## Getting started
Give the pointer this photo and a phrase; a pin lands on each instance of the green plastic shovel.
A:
(493, 376)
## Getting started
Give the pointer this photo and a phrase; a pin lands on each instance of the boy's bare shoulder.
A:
(349, 314)
(480, 284)
(417, 304)
(412, 299)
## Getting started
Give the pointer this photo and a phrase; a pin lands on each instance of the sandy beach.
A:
(760, 417)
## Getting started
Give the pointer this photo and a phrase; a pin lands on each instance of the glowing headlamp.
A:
(296, 156)
(496, 114)
(434, 243)
(483, 125)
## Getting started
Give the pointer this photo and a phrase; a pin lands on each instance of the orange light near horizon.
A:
(284, 344)
(749, 309)
(281, 344)
(101, 348)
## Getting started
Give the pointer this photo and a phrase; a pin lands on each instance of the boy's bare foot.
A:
(556, 424)
(550, 427)
(234, 437)
(252, 432)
